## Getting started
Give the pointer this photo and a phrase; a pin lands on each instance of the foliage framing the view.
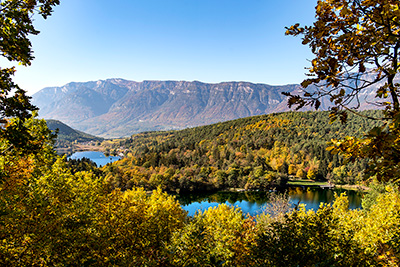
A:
(356, 45)
(50, 216)
(15, 27)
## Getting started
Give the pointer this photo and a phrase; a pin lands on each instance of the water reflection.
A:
(253, 202)
(312, 197)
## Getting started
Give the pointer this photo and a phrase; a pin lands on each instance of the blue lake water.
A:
(98, 157)
(253, 203)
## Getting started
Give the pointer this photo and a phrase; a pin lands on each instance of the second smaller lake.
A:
(253, 203)
(98, 157)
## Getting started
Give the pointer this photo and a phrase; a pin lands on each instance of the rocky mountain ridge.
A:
(118, 107)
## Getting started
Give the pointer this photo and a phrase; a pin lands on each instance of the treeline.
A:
(83, 164)
(253, 153)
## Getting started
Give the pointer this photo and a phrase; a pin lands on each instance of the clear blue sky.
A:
(204, 40)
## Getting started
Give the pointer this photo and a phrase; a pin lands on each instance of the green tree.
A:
(356, 45)
(16, 24)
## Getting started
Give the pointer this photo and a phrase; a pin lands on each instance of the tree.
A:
(219, 236)
(27, 216)
(134, 229)
(333, 235)
(15, 27)
(356, 46)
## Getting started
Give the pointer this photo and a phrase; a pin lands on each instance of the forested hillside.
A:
(258, 152)
(52, 216)
(68, 137)
(68, 134)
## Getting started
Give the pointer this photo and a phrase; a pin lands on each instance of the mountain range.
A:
(116, 107)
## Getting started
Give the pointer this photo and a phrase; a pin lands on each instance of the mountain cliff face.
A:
(117, 107)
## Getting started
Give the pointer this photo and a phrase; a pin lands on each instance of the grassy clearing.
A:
(304, 182)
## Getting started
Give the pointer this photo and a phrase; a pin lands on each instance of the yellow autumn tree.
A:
(219, 236)
(356, 46)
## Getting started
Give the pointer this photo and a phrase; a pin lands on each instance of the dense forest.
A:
(52, 215)
(259, 152)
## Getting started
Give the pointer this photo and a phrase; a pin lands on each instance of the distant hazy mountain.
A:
(117, 107)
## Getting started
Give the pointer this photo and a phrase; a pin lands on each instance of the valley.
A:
(253, 153)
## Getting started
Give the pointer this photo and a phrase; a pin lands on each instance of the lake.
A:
(253, 202)
(249, 201)
(98, 157)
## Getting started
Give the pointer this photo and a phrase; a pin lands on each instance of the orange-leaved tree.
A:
(356, 46)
